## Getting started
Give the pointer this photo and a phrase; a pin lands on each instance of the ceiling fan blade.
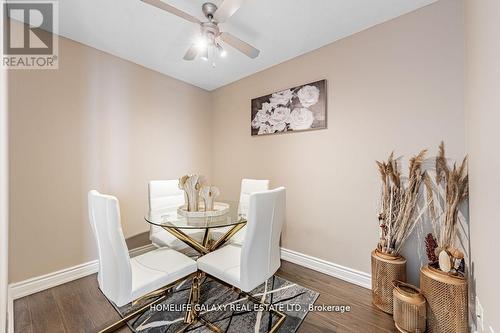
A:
(240, 45)
(191, 53)
(227, 9)
(172, 10)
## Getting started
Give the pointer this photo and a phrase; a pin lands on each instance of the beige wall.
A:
(102, 122)
(482, 106)
(97, 122)
(396, 86)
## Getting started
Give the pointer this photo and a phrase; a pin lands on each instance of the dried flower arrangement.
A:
(399, 203)
(430, 248)
(449, 191)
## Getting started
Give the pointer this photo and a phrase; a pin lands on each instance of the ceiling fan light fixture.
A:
(207, 46)
(201, 44)
(222, 52)
(204, 54)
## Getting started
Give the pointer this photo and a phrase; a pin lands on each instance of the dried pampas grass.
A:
(453, 184)
(399, 202)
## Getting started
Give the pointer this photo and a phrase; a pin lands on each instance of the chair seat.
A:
(162, 238)
(223, 264)
(157, 268)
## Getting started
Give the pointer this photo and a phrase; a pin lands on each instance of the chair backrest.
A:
(260, 253)
(115, 275)
(249, 186)
(165, 194)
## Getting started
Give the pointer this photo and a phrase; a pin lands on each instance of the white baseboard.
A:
(39, 283)
(344, 273)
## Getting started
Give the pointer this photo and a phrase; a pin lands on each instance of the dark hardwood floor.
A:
(79, 306)
(363, 317)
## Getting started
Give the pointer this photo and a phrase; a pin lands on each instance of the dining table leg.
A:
(192, 315)
(194, 299)
(190, 241)
(224, 238)
(206, 237)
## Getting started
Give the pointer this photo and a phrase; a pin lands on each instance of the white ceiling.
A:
(281, 29)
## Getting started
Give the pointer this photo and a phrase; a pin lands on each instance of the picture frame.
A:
(297, 109)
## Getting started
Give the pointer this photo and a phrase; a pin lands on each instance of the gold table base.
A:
(204, 247)
(192, 316)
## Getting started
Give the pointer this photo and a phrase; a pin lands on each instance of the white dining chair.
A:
(251, 264)
(123, 279)
(248, 186)
(162, 195)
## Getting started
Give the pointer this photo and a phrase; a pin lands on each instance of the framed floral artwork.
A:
(301, 108)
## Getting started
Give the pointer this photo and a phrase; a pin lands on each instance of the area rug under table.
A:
(228, 309)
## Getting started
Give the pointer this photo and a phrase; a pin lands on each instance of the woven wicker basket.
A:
(385, 270)
(409, 308)
(446, 301)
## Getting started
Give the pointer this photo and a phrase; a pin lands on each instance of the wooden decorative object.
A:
(192, 184)
(385, 270)
(444, 261)
(208, 194)
(446, 296)
(409, 308)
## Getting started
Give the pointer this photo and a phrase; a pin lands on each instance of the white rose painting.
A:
(297, 109)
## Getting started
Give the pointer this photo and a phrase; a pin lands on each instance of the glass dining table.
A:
(224, 226)
(178, 224)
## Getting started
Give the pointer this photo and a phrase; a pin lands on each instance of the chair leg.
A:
(268, 307)
(183, 328)
(136, 313)
(164, 290)
(252, 298)
(210, 325)
(152, 294)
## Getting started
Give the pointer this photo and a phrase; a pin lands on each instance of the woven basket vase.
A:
(446, 301)
(409, 308)
(385, 270)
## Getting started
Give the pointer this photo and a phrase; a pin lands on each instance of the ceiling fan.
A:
(209, 44)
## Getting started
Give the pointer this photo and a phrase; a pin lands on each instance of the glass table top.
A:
(169, 217)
